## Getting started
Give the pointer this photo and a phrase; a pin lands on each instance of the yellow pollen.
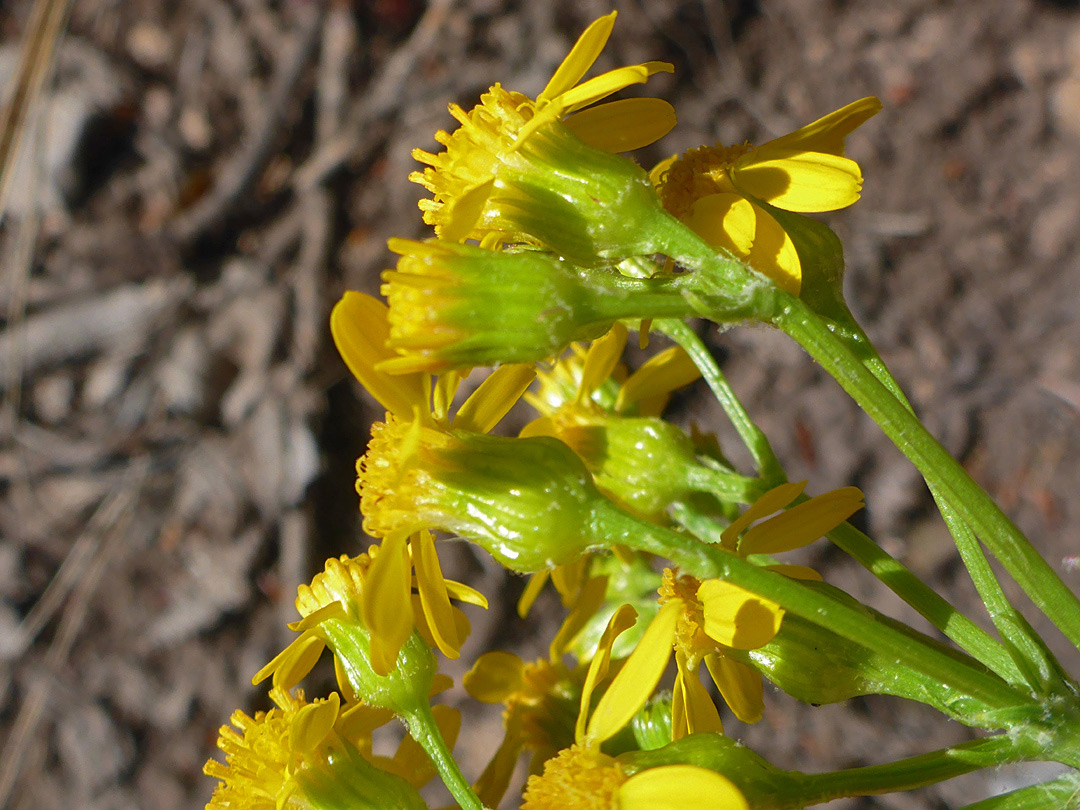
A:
(690, 638)
(579, 778)
(698, 173)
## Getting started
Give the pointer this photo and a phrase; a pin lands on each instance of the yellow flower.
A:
(717, 190)
(582, 777)
(303, 755)
(470, 181)
(367, 599)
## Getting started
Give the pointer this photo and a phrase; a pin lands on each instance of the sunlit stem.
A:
(422, 727)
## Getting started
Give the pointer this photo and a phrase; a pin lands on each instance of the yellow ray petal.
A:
(737, 618)
(692, 709)
(313, 722)
(827, 134)
(805, 182)
(726, 221)
(494, 677)
(466, 211)
(601, 359)
(294, 662)
(443, 395)
(359, 325)
(531, 591)
(802, 524)
(387, 604)
(660, 374)
(677, 787)
(638, 678)
(588, 602)
(773, 253)
(359, 720)
(739, 685)
(495, 780)
(540, 426)
(775, 499)
(433, 598)
(621, 620)
(495, 396)
(465, 593)
(581, 57)
(795, 572)
(625, 125)
(604, 85)
(411, 762)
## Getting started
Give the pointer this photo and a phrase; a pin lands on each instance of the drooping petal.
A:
(411, 762)
(737, 618)
(726, 221)
(531, 592)
(443, 394)
(387, 604)
(601, 359)
(433, 597)
(659, 375)
(692, 709)
(773, 500)
(581, 57)
(677, 787)
(360, 329)
(495, 780)
(739, 686)
(622, 619)
(773, 253)
(802, 524)
(588, 602)
(494, 677)
(625, 125)
(827, 134)
(294, 662)
(638, 677)
(804, 182)
(494, 397)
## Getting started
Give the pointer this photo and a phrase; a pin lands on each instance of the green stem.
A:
(704, 561)
(422, 727)
(913, 772)
(1060, 794)
(941, 471)
(931, 606)
(1027, 650)
(765, 460)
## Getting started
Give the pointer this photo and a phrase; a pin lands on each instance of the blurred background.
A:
(195, 185)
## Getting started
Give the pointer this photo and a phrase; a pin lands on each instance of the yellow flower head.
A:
(302, 755)
(364, 609)
(510, 142)
(582, 777)
(717, 190)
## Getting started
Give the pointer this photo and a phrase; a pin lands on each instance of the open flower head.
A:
(718, 190)
(510, 146)
(302, 755)
(583, 777)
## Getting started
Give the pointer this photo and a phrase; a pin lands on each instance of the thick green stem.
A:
(913, 772)
(941, 471)
(423, 729)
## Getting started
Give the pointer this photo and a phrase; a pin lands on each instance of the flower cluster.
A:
(550, 248)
